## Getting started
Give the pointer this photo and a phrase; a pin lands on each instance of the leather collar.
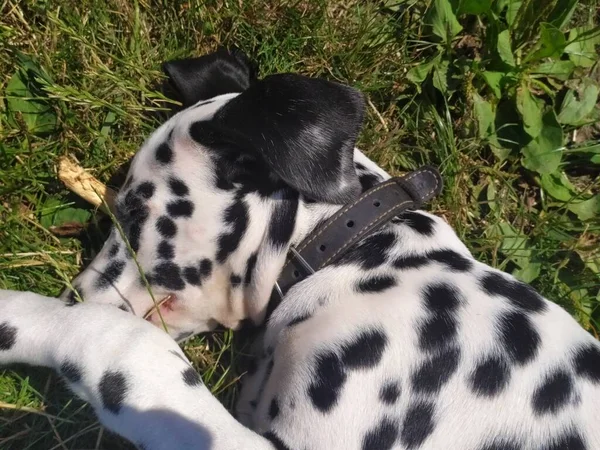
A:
(353, 222)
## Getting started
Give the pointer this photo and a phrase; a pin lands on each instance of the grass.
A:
(81, 78)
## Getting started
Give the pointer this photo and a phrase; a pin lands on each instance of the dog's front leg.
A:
(134, 375)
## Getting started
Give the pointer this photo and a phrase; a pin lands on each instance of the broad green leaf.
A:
(55, 213)
(484, 115)
(514, 245)
(26, 104)
(499, 151)
(505, 48)
(419, 73)
(498, 6)
(493, 80)
(440, 76)
(558, 186)
(586, 209)
(512, 11)
(69, 214)
(49, 209)
(476, 7)
(531, 110)
(442, 20)
(544, 152)
(32, 67)
(561, 70)
(581, 48)
(528, 273)
(574, 111)
(517, 249)
(551, 44)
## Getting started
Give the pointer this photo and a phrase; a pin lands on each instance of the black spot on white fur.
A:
(132, 210)
(375, 284)
(146, 190)
(369, 253)
(436, 371)
(365, 350)
(389, 392)
(113, 390)
(70, 371)
(328, 380)
(114, 250)
(180, 208)
(276, 441)
(191, 377)
(192, 275)
(250, 265)
(134, 234)
(490, 376)
(168, 275)
(587, 362)
(164, 153)
(382, 437)
(178, 187)
(8, 336)
(418, 424)
(420, 223)
(205, 268)
(501, 444)
(568, 440)
(554, 393)
(450, 260)
(166, 250)
(519, 294)
(411, 262)
(111, 274)
(273, 409)
(235, 281)
(166, 227)
(518, 336)
(196, 275)
(236, 216)
(440, 326)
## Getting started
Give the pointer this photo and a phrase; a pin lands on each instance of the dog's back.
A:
(428, 349)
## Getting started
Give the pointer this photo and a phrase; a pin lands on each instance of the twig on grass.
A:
(85, 185)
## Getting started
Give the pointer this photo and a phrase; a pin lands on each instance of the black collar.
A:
(353, 222)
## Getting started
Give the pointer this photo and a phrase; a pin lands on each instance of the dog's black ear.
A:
(305, 130)
(221, 72)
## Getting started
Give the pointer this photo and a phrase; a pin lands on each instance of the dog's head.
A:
(211, 200)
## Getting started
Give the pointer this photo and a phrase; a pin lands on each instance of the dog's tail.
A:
(137, 379)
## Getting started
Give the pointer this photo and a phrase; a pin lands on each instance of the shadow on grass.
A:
(62, 421)
(72, 424)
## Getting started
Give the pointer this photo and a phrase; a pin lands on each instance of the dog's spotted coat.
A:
(406, 342)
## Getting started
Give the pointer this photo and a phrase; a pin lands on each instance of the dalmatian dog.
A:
(403, 342)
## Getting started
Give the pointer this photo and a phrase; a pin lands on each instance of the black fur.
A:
(221, 72)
